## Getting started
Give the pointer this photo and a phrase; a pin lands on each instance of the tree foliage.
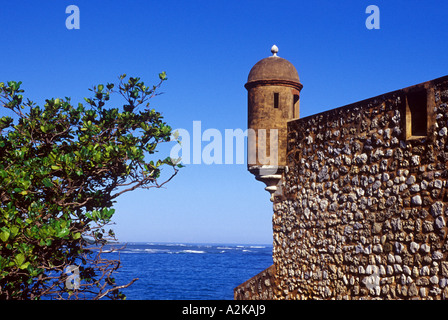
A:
(61, 169)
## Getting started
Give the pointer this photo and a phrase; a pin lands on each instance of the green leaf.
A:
(47, 182)
(162, 76)
(4, 235)
(19, 259)
(63, 232)
(55, 167)
(76, 236)
(14, 230)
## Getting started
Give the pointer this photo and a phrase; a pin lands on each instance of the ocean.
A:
(176, 271)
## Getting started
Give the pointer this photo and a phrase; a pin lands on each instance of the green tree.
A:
(61, 169)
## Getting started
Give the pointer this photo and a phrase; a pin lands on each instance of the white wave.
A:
(127, 251)
(193, 251)
(257, 247)
(155, 251)
(109, 251)
(173, 244)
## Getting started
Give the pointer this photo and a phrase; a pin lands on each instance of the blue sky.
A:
(207, 49)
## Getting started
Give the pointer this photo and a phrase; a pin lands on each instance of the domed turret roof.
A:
(273, 68)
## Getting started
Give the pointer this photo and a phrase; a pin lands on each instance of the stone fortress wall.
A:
(363, 208)
(364, 205)
(360, 194)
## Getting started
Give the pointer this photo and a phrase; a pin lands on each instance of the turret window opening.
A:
(276, 98)
(294, 106)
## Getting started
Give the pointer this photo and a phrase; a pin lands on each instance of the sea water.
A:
(176, 271)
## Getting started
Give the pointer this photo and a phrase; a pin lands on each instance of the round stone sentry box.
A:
(273, 87)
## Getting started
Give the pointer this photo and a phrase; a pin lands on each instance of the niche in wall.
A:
(416, 114)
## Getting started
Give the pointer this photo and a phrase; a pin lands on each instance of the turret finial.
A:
(274, 50)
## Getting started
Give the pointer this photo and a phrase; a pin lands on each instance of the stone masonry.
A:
(363, 207)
